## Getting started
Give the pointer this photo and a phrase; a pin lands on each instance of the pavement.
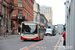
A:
(9, 36)
(60, 46)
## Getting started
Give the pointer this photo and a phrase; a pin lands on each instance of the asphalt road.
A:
(48, 43)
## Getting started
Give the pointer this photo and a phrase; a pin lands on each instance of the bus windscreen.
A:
(28, 28)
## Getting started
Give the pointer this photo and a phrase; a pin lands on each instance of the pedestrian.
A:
(64, 37)
(53, 32)
(10, 31)
(6, 32)
(19, 29)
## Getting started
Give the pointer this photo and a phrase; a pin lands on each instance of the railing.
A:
(19, 17)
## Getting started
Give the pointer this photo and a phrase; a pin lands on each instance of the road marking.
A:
(57, 43)
(45, 47)
(37, 47)
(23, 47)
(41, 47)
(26, 48)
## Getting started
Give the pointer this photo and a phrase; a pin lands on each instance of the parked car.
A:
(48, 32)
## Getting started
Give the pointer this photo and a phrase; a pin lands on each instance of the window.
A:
(50, 20)
(46, 10)
(42, 8)
(3, 9)
(50, 16)
(19, 3)
(41, 11)
(44, 21)
(19, 14)
(36, 18)
(67, 1)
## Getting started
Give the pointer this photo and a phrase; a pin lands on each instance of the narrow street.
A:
(48, 43)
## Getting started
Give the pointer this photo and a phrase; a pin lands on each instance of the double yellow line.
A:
(56, 46)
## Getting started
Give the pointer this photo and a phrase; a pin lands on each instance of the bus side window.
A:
(35, 29)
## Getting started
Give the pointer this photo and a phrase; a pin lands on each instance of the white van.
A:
(48, 32)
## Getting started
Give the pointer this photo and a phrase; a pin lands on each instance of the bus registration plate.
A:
(28, 39)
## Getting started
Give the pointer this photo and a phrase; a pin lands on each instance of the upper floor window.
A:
(50, 16)
(19, 14)
(42, 8)
(19, 3)
(41, 11)
(44, 11)
(3, 9)
(48, 10)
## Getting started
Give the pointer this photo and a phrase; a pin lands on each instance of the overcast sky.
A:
(58, 9)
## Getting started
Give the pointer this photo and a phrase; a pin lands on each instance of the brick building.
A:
(23, 11)
(6, 8)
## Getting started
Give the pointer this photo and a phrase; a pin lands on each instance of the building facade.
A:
(23, 11)
(6, 8)
(36, 12)
(43, 20)
(47, 11)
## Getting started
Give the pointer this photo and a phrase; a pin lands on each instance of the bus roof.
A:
(33, 22)
(29, 21)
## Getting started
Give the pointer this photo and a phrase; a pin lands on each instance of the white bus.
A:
(32, 31)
